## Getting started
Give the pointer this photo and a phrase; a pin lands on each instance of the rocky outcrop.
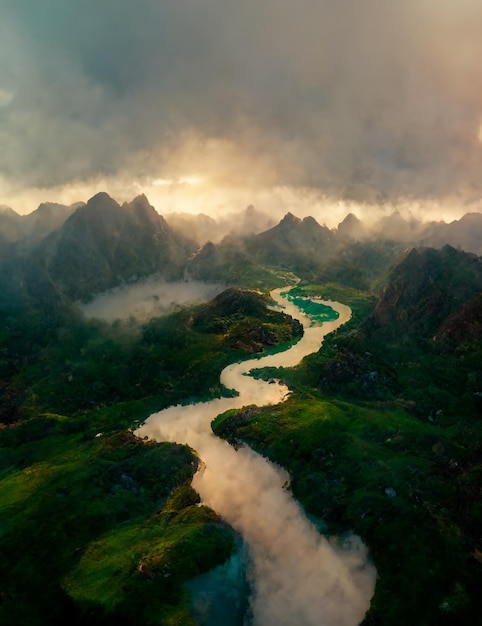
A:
(425, 287)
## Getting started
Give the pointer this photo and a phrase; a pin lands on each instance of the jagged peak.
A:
(101, 196)
(98, 204)
(290, 220)
(143, 210)
(140, 200)
(96, 211)
(311, 222)
(207, 251)
(350, 219)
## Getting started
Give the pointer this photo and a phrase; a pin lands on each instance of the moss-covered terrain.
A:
(382, 435)
(99, 529)
(391, 450)
(97, 526)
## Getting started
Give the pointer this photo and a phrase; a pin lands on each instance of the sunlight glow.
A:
(191, 181)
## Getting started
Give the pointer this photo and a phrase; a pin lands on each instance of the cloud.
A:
(148, 298)
(366, 101)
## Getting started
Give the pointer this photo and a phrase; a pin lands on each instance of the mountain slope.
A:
(103, 245)
(424, 288)
(293, 242)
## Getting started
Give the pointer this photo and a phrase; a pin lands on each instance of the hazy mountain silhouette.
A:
(103, 244)
(10, 225)
(351, 228)
(465, 233)
(294, 242)
(27, 230)
(203, 228)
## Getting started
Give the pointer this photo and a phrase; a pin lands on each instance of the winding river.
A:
(299, 578)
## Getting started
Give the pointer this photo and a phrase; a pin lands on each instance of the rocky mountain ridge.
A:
(86, 249)
(424, 288)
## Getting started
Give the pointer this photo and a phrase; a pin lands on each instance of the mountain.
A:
(248, 222)
(409, 349)
(48, 217)
(351, 228)
(102, 245)
(424, 288)
(465, 233)
(300, 244)
(396, 227)
(10, 225)
(201, 228)
(29, 229)
(311, 251)
(463, 327)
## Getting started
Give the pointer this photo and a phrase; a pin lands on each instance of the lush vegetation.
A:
(385, 439)
(382, 435)
(97, 526)
(78, 365)
(93, 528)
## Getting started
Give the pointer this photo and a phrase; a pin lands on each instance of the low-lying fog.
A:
(148, 298)
(297, 576)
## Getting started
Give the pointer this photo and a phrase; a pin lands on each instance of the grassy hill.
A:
(383, 436)
(97, 526)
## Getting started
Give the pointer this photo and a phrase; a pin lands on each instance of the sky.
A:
(210, 104)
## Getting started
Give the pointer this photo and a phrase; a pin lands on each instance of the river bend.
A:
(299, 577)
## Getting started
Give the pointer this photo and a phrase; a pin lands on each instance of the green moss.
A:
(152, 557)
(382, 473)
(88, 511)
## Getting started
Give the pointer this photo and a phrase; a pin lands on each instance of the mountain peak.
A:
(311, 222)
(351, 227)
(146, 213)
(140, 200)
(101, 199)
(290, 220)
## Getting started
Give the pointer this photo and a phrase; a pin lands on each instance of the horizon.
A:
(171, 200)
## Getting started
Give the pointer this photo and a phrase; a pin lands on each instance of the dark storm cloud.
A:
(361, 99)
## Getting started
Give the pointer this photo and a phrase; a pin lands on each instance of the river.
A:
(298, 577)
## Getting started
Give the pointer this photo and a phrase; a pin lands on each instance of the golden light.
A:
(191, 180)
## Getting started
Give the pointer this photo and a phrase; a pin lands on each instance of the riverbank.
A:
(247, 491)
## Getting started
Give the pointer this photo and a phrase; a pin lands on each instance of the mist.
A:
(148, 298)
(371, 103)
(297, 575)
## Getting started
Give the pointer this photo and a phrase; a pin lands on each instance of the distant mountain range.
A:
(84, 249)
(35, 226)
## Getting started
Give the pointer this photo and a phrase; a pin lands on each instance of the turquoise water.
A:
(315, 310)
